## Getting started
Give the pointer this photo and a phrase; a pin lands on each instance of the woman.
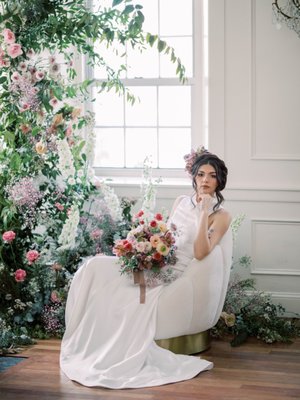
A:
(109, 337)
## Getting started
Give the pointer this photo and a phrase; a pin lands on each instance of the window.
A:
(168, 117)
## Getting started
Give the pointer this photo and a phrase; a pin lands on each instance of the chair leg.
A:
(187, 344)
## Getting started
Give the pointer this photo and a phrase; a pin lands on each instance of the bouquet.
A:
(147, 249)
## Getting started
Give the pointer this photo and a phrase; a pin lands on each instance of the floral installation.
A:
(53, 210)
(148, 247)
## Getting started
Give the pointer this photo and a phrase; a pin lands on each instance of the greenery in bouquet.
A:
(149, 246)
(53, 211)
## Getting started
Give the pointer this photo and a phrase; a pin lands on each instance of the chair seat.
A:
(192, 304)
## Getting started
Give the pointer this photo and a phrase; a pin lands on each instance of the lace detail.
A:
(165, 276)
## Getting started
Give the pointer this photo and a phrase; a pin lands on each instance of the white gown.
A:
(109, 337)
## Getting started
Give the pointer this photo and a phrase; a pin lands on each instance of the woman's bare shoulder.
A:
(223, 216)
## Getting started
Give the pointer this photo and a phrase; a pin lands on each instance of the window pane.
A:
(176, 17)
(144, 110)
(174, 106)
(184, 50)
(143, 64)
(113, 55)
(109, 108)
(150, 11)
(109, 147)
(140, 143)
(174, 143)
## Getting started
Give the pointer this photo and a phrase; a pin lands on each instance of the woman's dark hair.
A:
(221, 172)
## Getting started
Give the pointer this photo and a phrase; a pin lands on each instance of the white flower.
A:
(112, 201)
(69, 231)
(66, 162)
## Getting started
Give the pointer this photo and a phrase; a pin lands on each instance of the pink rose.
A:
(20, 275)
(8, 236)
(32, 256)
(9, 36)
(14, 50)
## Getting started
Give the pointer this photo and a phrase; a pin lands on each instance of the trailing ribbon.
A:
(138, 278)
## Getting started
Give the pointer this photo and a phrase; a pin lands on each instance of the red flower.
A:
(153, 224)
(158, 217)
(139, 214)
(156, 256)
(20, 275)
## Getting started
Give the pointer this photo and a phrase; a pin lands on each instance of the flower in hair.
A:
(192, 156)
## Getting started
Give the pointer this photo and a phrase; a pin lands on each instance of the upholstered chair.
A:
(190, 306)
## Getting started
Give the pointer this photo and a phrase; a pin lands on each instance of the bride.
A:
(109, 336)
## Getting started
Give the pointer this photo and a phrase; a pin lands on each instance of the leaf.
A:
(128, 9)
(161, 45)
(116, 2)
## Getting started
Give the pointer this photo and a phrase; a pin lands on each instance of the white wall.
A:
(254, 124)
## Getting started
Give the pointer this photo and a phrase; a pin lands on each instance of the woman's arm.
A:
(211, 228)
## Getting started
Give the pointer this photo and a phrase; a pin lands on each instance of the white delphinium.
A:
(66, 161)
(148, 188)
(68, 234)
(90, 138)
(112, 201)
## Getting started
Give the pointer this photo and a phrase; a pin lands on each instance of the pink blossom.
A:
(4, 62)
(15, 76)
(25, 107)
(69, 130)
(9, 36)
(39, 75)
(53, 102)
(59, 206)
(30, 53)
(14, 50)
(20, 275)
(8, 236)
(52, 59)
(22, 66)
(32, 256)
(96, 234)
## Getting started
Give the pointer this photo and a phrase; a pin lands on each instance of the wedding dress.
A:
(109, 336)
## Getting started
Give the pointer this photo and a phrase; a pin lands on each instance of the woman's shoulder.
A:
(223, 216)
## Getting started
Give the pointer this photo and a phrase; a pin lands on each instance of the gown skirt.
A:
(109, 337)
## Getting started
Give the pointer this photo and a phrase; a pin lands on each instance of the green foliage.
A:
(248, 312)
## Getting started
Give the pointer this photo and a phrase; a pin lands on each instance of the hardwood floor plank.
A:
(253, 371)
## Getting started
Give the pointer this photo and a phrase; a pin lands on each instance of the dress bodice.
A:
(186, 219)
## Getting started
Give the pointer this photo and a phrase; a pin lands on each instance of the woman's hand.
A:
(206, 201)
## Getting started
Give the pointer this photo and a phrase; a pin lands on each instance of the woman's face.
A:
(206, 180)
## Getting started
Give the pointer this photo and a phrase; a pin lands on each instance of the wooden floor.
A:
(252, 371)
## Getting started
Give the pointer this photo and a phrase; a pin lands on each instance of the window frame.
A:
(198, 82)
